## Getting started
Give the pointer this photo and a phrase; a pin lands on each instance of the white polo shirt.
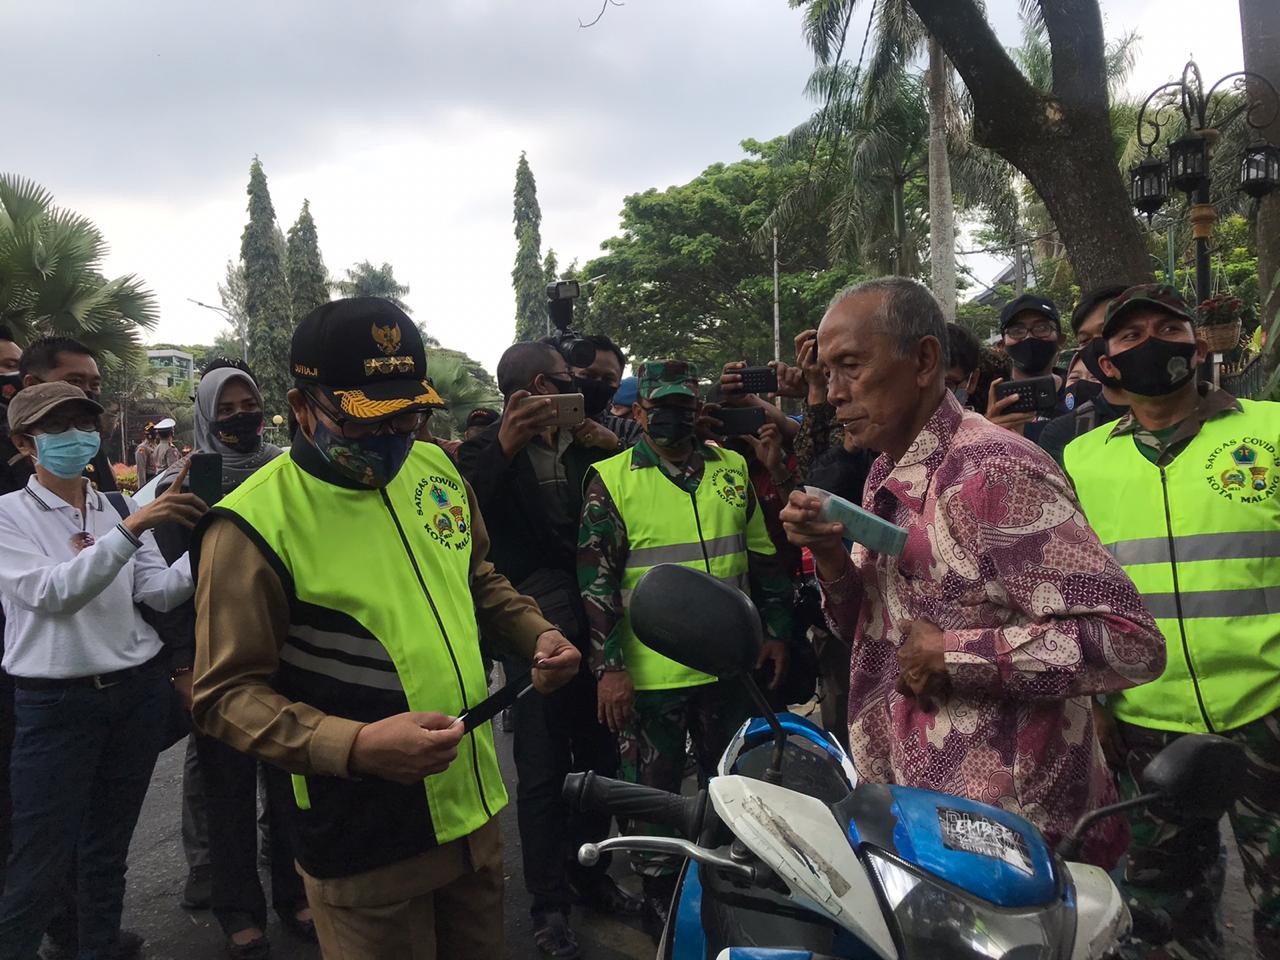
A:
(70, 614)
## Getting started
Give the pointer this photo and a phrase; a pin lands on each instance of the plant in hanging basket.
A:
(1221, 320)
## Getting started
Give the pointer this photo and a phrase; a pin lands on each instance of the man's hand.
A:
(596, 435)
(768, 447)
(182, 684)
(923, 665)
(708, 424)
(615, 699)
(807, 363)
(804, 529)
(172, 506)
(776, 653)
(405, 748)
(555, 661)
(731, 383)
(995, 410)
(791, 382)
(524, 417)
(1109, 737)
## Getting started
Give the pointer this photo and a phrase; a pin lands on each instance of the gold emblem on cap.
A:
(377, 365)
(387, 338)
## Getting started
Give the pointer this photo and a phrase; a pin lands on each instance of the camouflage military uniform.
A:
(653, 747)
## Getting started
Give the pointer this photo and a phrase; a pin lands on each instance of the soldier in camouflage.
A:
(654, 722)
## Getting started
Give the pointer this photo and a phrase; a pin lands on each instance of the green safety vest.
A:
(381, 607)
(709, 530)
(1201, 540)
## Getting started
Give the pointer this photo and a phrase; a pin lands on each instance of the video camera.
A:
(576, 351)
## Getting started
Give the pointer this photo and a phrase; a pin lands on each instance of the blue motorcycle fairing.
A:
(988, 852)
(769, 953)
(689, 939)
(757, 731)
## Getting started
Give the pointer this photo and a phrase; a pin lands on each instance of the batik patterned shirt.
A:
(1036, 617)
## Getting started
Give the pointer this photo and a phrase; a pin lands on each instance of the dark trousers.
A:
(195, 821)
(554, 736)
(231, 808)
(82, 761)
(1174, 876)
(6, 747)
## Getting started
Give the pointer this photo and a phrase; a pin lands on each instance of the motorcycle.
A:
(788, 857)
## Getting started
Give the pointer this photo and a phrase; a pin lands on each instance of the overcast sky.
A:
(402, 123)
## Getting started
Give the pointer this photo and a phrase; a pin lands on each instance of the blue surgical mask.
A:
(66, 454)
(370, 461)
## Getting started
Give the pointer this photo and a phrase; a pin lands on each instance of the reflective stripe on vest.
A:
(1207, 565)
(708, 530)
(395, 565)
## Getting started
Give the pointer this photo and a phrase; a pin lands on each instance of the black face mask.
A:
(1032, 355)
(241, 432)
(1080, 393)
(1089, 355)
(596, 395)
(1155, 367)
(671, 426)
(562, 386)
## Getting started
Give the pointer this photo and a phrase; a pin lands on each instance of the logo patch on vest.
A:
(440, 502)
(1243, 471)
(730, 485)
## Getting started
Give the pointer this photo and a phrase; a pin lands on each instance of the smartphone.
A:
(569, 409)
(740, 421)
(205, 477)
(759, 379)
(1037, 395)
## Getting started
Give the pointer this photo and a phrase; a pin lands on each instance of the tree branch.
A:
(1079, 52)
(1003, 99)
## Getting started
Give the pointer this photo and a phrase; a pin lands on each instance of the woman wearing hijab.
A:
(229, 421)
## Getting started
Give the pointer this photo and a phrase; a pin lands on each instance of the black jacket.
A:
(1060, 431)
(522, 541)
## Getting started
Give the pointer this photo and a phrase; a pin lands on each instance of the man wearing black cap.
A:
(1184, 491)
(340, 595)
(1031, 334)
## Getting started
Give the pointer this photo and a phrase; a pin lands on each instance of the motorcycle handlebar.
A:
(588, 792)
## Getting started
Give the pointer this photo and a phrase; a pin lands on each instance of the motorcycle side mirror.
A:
(1198, 776)
(694, 619)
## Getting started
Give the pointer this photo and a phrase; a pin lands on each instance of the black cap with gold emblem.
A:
(366, 356)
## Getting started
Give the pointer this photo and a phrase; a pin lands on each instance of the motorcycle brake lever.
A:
(589, 855)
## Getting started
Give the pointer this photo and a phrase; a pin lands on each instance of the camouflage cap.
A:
(667, 378)
(1158, 295)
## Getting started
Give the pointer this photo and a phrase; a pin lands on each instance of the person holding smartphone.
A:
(92, 689)
(1031, 334)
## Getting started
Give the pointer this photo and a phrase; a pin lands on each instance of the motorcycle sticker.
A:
(971, 832)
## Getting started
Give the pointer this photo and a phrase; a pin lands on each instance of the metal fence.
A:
(1246, 382)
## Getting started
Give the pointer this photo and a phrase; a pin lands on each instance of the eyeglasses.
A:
(402, 423)
(55, 425)
(1043, 330)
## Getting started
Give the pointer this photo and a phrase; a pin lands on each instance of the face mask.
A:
(66, 454)
(1155, 367)
(562, 386)
(1080, 393)
(1089, 355)
(370, 461)
(10, 383)
(596, 395)
(671, 426)
(241, 433)
(961, 395)
(1032, 355)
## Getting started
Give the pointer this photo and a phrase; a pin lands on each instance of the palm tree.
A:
(51, 281)
(366, 280)
(454, 375)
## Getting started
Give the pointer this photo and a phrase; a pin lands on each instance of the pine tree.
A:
(527, 276)
(266, 296)
(550, 268)
(308, 279)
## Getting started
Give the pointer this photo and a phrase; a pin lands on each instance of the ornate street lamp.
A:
(1203, 116)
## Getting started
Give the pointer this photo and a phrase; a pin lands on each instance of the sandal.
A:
(302, 929)
(554, 938)
(258, 948)
(604, 895)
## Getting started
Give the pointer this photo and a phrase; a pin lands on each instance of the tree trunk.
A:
(1260, 27)
(899, 228)
(1060, 141)
(942, 222)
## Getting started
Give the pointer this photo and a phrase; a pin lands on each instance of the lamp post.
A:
(1203, 117)
(244, 340)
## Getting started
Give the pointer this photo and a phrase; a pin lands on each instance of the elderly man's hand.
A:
(555, 661)
(922, 664)
(804, 529)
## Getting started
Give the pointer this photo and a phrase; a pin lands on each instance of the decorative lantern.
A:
(1189, 163)
(1149, 186)
(1260, 169)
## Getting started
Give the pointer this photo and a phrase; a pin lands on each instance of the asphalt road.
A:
(157, 871)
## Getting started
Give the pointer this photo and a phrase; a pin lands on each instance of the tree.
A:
(266, 296)
(527, 276)
(683, 278)
(51, 280)
(454, 375)
(233, 342)
(366, 280)
(308, 279)
(1260, 28)
(1059, 139)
